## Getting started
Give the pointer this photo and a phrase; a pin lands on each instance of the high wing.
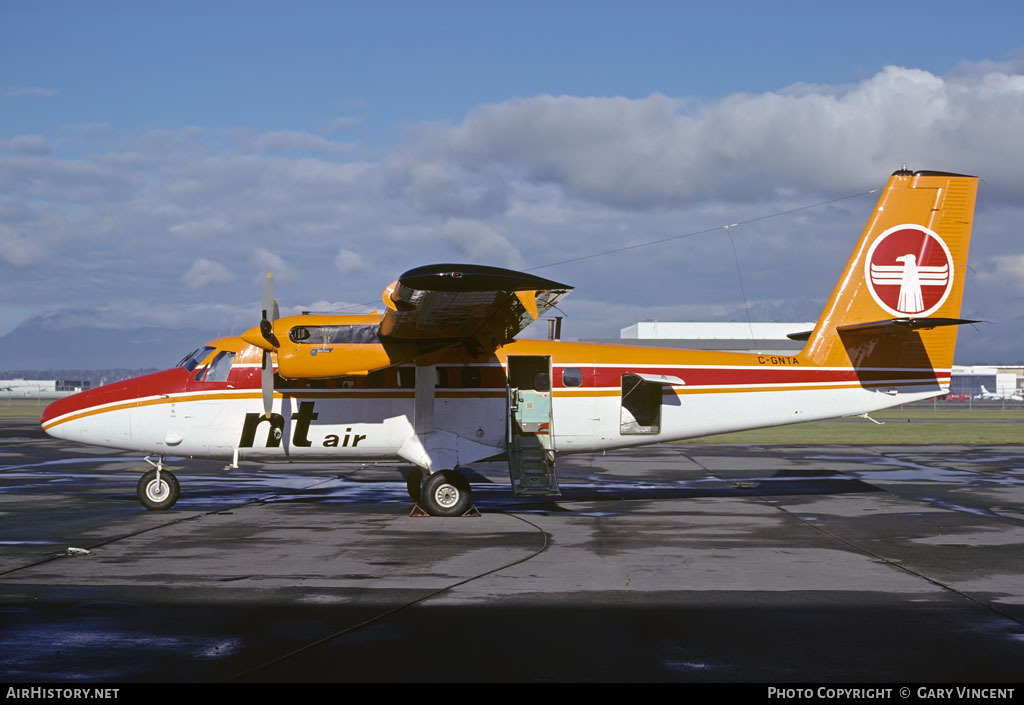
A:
(465, 302)
(429, 309)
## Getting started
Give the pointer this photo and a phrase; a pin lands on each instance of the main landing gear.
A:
(158, 488)
(445, 493)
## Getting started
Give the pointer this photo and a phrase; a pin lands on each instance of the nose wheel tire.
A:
(446, 493)
(158, 494)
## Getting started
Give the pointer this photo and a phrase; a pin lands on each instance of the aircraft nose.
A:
(72, 417)
(60, 407)
(89, 399)
(102, 416)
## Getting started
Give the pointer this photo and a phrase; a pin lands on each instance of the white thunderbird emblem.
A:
(910, 278)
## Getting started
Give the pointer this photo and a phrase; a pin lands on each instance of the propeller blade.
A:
(268, 295)
(267, 384)
(269, 312)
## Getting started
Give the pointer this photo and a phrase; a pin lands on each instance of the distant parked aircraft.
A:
(995, 396)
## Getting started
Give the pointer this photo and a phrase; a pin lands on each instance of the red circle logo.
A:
(909, 271)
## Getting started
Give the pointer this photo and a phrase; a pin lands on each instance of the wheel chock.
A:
(419, 512)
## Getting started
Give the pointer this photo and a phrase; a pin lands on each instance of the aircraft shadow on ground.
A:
(490, 495)
(774, 486)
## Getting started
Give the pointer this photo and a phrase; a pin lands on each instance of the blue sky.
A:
(298, 65)
(156, 158)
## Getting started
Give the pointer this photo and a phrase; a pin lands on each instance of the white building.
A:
(28, 387)
(981, 380)
(40, 388)
(732, 336)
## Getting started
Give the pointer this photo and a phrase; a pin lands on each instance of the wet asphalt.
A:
(691, 563)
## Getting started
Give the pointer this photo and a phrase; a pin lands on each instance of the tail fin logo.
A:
(909, 271)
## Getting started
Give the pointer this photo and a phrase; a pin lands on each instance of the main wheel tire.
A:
(446, 493)
(158, 494)
(414, 483)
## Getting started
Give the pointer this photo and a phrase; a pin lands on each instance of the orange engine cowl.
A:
(300, 361)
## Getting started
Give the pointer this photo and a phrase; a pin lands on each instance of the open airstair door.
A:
(531, 440)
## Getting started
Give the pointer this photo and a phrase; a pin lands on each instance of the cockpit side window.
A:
(192, 360)
(330, 335)
(220, 367)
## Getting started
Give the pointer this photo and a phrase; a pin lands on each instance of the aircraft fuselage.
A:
(176, 412)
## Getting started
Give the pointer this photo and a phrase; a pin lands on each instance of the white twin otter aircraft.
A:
(439, 380)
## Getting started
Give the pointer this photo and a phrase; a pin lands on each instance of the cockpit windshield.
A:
(192, 360)
(219, 367)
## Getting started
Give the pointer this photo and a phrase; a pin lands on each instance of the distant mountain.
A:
(36, 345)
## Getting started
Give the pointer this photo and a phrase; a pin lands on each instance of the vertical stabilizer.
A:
(897, 304)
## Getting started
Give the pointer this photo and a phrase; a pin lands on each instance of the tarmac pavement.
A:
(669, 563)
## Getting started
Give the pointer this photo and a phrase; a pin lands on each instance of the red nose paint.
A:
(155, 384)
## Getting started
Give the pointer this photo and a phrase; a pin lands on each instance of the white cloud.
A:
(663, 151)
(344, 123)
(102, 212)
(440, 186)
(204, 272)
(1005, 272)
(129, 313)
(208, 227)
(481, 243)
(20, 250)
(273, 263)
(30, 92)
(349, 262)
(293, 141)
(37, 176)
(325, 306)
(88, 129)
(25, 144)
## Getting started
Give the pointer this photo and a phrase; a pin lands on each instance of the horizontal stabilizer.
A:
(893, 325)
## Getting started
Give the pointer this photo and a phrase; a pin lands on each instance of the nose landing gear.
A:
(158, 488)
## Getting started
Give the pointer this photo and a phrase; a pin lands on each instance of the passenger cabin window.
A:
(572, 377)
(407, 377)
(471, 377)
(334, 335)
